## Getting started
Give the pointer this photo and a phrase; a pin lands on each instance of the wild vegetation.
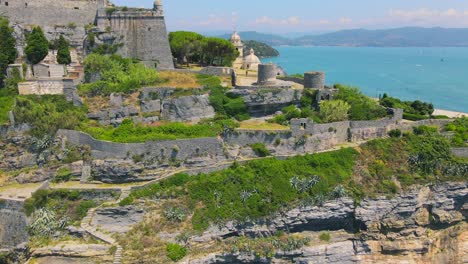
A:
(190, 47)
(460, 129)
(262, 50)
(128, 132)
(227, 105)
(48, 113)
(8, 51)
(116, 74)
(413, 110)
(362, 107)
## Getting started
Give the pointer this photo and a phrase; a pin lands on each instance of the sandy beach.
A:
(451, 114)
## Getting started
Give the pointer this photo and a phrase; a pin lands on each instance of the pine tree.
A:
(8, 51)
(63, 51)
(37, 46)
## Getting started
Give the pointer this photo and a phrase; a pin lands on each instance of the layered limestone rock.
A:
(267, 101)
(118, 219)
(188, 108)
(424, 225)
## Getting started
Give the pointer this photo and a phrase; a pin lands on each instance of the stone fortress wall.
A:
(13, 224)
(171, 149)
(305, 136)
(50, 12)
(143, 32)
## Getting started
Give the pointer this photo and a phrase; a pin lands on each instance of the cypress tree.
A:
(37, 46)
(8, 51)
(63, 51)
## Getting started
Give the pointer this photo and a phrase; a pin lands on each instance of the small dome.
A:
(252, 58)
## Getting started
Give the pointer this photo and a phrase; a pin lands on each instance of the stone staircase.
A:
(118, 255)
(86, 224)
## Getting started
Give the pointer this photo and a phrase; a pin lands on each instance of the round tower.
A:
(314, 80)
(158, 8)
(266, 74)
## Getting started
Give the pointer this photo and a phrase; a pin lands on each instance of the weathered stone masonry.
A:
(144, 35)
(178, 149)
(13, 224)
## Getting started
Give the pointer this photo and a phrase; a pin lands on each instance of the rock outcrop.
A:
(187, 108)
(267, 101)
(424, 225)
(118, 219)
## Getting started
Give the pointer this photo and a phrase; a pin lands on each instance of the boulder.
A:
(151, 106)
(188, 108)
(118, 219)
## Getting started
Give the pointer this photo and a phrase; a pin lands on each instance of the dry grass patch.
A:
(96, 103)
(178, 79)
(261, 125)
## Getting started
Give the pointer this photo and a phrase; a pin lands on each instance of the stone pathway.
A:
(86, 224)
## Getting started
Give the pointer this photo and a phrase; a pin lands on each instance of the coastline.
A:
(451, 114)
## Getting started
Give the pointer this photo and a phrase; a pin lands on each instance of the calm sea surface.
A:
(437, 75)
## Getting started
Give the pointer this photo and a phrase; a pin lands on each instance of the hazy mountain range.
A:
(399, 37)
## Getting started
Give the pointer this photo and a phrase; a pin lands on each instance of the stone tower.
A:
(237, 42)
(142, 32)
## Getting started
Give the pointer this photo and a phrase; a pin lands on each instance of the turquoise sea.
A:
(437, 75)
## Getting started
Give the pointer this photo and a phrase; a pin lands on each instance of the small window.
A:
(149, 29)
(6, 3)
(25, 4)
(303, 126)
(76, 8)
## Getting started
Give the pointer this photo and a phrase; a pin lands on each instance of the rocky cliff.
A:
(424, 225)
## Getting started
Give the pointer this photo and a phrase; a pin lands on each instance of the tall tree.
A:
(37, 46)
(186, 45)
(8, 51)
(63, 51)
(333, 111)
(218, 51)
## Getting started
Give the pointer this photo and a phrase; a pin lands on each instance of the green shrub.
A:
(325, 237)
(425, 130)
(260, 150)
(84, 207)
(62, 175)
(414, 117)
(362, 107)
(208, 80)
(395, 133)
(47, 113)
(228, 105)
(128, 132)
(334, 111)
(415, 109)
(175, 252)
(118, 75)
(460, 128)
(127, 201)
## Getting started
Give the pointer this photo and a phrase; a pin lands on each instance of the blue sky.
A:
(307, 15)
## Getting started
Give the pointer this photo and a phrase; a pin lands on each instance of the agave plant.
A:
(304, 185)
(339, 192)
(45, 222)
(175, 213)
(245, 195)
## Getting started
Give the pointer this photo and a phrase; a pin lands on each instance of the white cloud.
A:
(264, 20)
(425, 13)
(345, 20)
